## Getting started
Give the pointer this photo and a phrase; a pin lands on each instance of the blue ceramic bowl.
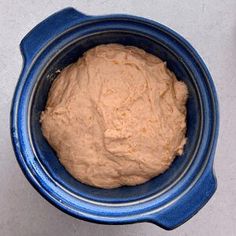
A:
(167, 200)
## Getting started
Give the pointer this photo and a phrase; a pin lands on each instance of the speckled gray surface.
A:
(210, 25)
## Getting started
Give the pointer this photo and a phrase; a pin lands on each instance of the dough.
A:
(116, 117)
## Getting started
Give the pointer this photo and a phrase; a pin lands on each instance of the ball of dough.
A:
(116, 117)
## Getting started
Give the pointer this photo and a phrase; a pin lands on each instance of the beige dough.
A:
(116, 117)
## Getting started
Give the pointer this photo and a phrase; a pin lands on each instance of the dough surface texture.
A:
(116, 117)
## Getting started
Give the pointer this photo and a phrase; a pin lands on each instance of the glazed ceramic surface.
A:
(167, 200)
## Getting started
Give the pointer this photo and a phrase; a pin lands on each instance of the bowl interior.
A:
(47, 156)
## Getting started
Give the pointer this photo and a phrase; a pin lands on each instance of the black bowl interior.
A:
(47, 156)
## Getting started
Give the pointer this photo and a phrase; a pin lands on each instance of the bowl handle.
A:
(48, 29)
(189, 204)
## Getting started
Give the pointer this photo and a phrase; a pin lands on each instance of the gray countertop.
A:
(210, 26)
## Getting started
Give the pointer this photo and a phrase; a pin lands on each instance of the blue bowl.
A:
(167, 200)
